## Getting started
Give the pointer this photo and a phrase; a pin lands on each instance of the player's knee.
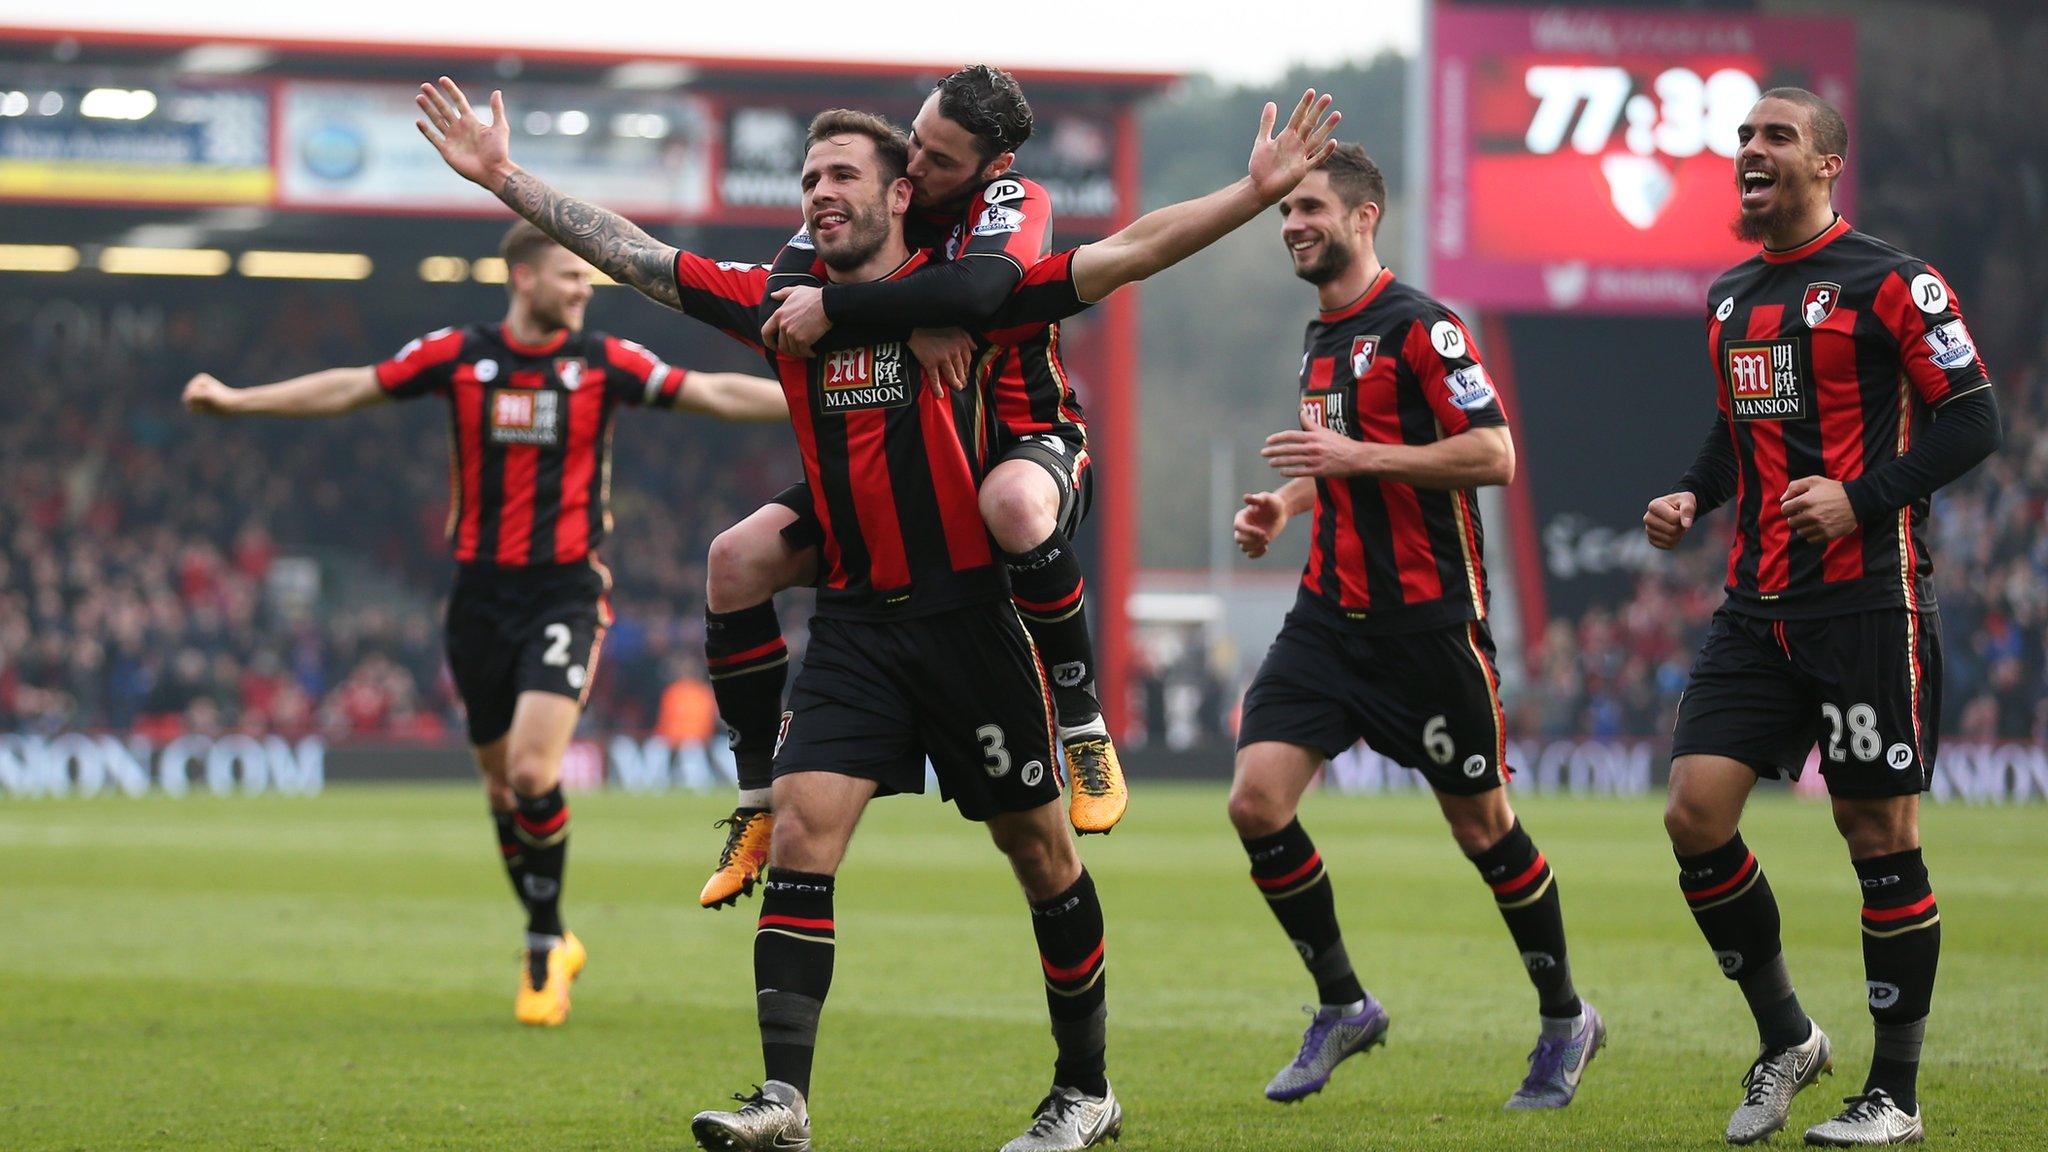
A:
(1696, 827)
(1021, 509)
(1479, 826)
(499, 795)
(741, 569)
(532, 771)
(791, 844)
(1256, 811)
(1046, 864)
(1875, 829)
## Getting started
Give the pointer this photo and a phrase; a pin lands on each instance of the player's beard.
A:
(1759, 226)
(1335, 260)
(867, 229)
(554, 316)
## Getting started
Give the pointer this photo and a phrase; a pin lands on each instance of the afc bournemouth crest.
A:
(1362, 349)
(1819, 303)
(569, 370)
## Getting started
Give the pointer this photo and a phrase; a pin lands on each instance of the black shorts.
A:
(1426, 700)
(805, 531)
(1071, 470)
(963, 687)
(1865, 686)
(513, 630)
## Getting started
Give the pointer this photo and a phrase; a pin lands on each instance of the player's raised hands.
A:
(946, 355)
(1669, 519)
(480, 151)
(1280, 160)
(1260, 520)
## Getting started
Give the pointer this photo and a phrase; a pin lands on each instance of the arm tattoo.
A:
(610, 242)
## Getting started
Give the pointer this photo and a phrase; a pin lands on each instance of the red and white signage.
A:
(1582, 159)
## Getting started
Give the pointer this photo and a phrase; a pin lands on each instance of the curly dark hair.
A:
(988, 102)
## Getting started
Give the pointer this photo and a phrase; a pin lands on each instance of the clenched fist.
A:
(1263, 516)
(1670, 518)
(208, 396)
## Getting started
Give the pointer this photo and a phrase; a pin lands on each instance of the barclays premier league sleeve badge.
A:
(1950, 346)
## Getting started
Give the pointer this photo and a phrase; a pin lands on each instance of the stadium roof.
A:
(88, 182)
(258, 56)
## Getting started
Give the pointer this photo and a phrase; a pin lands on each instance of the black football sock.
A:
(1046, 585)
(541, 825)
(793, 952)
(1526, 894)
(1901, 947)
(1289, 872)
(1069, 931)
(513, 851)
(1733, 905)
(748, 662)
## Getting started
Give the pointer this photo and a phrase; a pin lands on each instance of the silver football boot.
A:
(773, 1119)
(1870, 1120)
(1772, 1082)
(1068, 1121)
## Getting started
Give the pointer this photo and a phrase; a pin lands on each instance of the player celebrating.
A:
(986, 226)
(915, 650)
(532, 401)
(1388, 638)
(1829, 633)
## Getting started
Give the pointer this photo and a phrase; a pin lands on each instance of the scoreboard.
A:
(1582, 159)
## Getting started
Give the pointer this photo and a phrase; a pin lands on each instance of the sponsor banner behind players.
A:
(1975, 772)
(1617, 130)
(1599, 767)
(65, 139)
(84, 765)
(351, 145)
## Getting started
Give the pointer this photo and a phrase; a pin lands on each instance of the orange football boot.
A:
(741, 861)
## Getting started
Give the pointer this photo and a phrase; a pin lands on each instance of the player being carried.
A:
(986, 226)
(1849, 392)
(531, 399)
(1388, 640)
(915, 650)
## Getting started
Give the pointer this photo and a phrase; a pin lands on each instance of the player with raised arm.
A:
(986, 225)
(531, 399)
(1388, 639)
(915, 650)
(1849, 392)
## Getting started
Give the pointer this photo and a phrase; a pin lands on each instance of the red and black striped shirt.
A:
(530, 470)
(893, 467)
(1827, 357)
(1395, 367)
(1009, 218)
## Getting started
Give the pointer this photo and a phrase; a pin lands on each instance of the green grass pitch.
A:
(337, 973)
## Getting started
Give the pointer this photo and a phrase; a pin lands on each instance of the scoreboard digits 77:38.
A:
(1583, 158)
